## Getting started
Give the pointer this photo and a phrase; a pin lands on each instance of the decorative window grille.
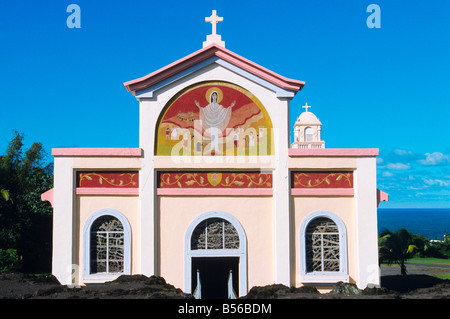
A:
(107, 245)
(215, 233)
(309, 134)
(322, 245)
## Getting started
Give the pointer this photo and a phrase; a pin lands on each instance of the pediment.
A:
(213, 54)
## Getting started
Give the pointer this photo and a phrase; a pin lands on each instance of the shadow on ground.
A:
(408, 283)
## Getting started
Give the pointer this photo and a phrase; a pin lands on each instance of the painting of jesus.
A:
(220, 113)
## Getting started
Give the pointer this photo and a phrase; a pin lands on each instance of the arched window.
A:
(106, 246)
(323, 249)
(215, 233)
(322, 245)
(309, 134)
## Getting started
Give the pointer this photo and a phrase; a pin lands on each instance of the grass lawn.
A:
(432, 264)
(430, 261)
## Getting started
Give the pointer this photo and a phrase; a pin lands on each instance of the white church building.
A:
(216, 199)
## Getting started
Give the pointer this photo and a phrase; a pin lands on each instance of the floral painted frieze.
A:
(214, 180)
(322, 180)
(108, 179)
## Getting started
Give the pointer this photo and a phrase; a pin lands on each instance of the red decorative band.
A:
(322, 180)
(322, 192)
(214, 179)
(106, 191)
(108, 179)
(212, 191)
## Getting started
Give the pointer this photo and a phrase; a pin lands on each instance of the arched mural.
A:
(214, 118)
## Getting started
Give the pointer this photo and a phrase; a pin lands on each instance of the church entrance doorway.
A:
(214, 274)
(216, 257)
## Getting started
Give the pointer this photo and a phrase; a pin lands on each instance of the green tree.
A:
(396, 247)
(25, 220)
(427, 248)
(4, 193)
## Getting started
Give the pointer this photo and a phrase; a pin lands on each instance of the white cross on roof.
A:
(214, 37)
(214, 19)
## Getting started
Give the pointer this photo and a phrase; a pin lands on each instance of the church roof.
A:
(210, 51)
(308, 118)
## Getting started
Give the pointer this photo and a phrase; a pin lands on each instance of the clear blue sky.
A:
(387, 88)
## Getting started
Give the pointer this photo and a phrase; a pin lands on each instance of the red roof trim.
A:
(103, 152)
(205, 53)
(350, 152)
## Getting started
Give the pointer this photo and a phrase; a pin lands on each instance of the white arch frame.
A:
(324, 276)
(241, 252)
(102, 277)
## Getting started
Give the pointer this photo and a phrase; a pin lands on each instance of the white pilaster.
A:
(368, 272)
(147, 188)
(281, 196)
(63, 221)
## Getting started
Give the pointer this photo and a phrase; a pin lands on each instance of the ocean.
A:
(432, 223)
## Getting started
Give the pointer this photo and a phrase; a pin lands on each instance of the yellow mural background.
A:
(250, 130)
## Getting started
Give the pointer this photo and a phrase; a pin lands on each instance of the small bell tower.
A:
(307, 131)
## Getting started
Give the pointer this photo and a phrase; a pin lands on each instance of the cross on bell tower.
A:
(306, 107)
(214, 37)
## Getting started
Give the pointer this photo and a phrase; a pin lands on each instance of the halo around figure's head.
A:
(211, 91)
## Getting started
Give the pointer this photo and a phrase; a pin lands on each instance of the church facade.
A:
(216, 199)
